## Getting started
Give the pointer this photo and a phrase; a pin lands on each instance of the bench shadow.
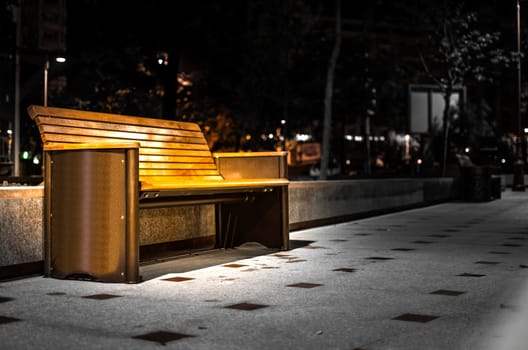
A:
(188, 260)
(298, 243)
(185, 261)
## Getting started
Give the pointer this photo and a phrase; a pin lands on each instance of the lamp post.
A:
(58, 59)
(46, 69)
(518, 166)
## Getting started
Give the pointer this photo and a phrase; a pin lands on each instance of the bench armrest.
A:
(90, 146)
(252, 165)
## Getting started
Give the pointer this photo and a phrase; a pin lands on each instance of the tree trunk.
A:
(367, 163)
(327, 122)
(445, 129)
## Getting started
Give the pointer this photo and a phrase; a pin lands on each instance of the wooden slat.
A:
(177, 172)
(174, 159)
(119, 135)
(190, 183)
(142, 151)
(196, 166)
(174, 152)
(89, 146)
(34, 111)
(160, 182)
(58, 138)
(49, 121)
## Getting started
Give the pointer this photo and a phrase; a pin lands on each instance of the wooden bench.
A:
(100, 169)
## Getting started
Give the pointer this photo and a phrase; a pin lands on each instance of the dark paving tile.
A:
(251, 269)
(101, 296)
(422, 242)
(378, 258)
(177, 279)
(304, 285)
(339, 240)
(5, 299)
(228, 279)
(447, 292)
(295, 261)
(439, 236)
(470, 275)
(451, 230)
(415, 318)
(517, 238)
(499, 253)
(483, 262)
(56, 293)
(345, 269)
(162, 337)
(246, 306)
(363, 234)
(6, 319)
(234, 265)
(282, 256)
(511, 245)
(403, 249)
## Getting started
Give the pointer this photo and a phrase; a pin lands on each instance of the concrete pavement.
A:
(449, 276)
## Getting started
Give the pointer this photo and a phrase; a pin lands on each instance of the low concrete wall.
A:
(311, 203)
(314, 203)
(21, 245)
(20, 224)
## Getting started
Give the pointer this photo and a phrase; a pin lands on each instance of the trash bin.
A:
(496, 187)
(87, 233)
(477, 183)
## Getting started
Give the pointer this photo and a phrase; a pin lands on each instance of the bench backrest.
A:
(170, 151)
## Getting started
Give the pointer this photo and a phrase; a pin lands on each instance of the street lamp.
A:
(59, 59)
(518, 166)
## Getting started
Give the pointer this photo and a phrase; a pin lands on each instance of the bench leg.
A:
(263, 219)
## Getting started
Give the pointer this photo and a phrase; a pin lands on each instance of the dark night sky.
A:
(157, 24)
(186, 26)
(205, 32)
